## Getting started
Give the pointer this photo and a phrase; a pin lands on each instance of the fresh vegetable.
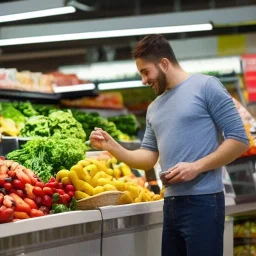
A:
(45, 156)
(37, 191)
(60, 123)
(47, 201)
(25, 108)
(36, 126)
(21, 215)
(20, 205)
(31, 203)
(6, 214)
(36, 213)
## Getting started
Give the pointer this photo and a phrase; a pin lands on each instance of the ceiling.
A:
(46, 57)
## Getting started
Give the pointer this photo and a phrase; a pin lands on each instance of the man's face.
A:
(152, 75)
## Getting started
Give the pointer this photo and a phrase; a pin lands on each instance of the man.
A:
(184, 128)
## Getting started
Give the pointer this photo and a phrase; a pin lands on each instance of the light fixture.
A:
(106, 34)
(120, 85)
(74, 88)
(37, 14)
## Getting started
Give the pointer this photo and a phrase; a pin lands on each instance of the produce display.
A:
(23, 195)
(27, 120)
(245, 250)
(125, 123)
(245, 229)
(93, 176)
(59, 122)
(46, 156)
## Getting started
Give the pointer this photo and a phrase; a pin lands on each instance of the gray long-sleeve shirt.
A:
(186, 123)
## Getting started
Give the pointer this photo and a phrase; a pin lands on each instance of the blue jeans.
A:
(193, 225)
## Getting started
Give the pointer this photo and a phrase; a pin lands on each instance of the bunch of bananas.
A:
(91, 177)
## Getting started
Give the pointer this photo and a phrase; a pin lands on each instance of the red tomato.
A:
(38, 191)
(60, 191)
(20, 193)
(48, 191)
(17, 184)
(39, 184)
(70, 188)
(47, 201)
(39, 201)
(71, 193)
(8, 186)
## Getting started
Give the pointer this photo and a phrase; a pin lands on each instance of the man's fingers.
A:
(177, 178)
(172, 174)
(97, 135)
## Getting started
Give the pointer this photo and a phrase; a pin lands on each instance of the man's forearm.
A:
(227, 152)
(139, 159)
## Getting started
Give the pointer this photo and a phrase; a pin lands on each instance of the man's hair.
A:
(154, 47)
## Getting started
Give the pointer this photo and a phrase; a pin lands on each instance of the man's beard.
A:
(161, 81)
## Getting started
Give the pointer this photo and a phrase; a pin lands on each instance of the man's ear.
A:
(164, 63)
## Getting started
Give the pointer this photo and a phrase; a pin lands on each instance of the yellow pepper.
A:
(98, 190)
(80, 195)
(66, 181)
(61, 174)
(109, 187)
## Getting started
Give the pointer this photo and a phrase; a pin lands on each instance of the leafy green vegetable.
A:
(46, 156)
(36, 126)
(126, 123)
(26, 108)
(64, 123)
(58, 122)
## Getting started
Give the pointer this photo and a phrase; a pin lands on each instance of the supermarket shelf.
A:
(246, 240)
(45, 97)
(241, 209)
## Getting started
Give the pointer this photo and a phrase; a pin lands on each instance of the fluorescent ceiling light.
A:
(106, 34)
(37, 14)
(120, 85)
(74, 88)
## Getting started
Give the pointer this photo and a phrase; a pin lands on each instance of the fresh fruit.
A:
(61, 186)
(8, 186)
(70, 188)
(52, 179)
(20, 206)
(47, 201)
(17, 184)
(1, 199)
(2, 179)
(48, 191)
(66, 181)
(36, 213)
(31, 203)
(61, 174)
(9, 202)
(39, 184)
(29, 190)
(52, 184)
(38, 201)
(65, 199)
(109, 187)
(38, 191)
(6, 214)
(71, 193)
(20, 193)
(80, 195)
(21, 215)
(60, 191)
(98, 190)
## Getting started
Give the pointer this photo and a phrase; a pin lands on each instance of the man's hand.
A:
(100, 139)
(181, 172)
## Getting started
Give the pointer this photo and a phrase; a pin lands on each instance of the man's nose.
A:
(144, 81)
